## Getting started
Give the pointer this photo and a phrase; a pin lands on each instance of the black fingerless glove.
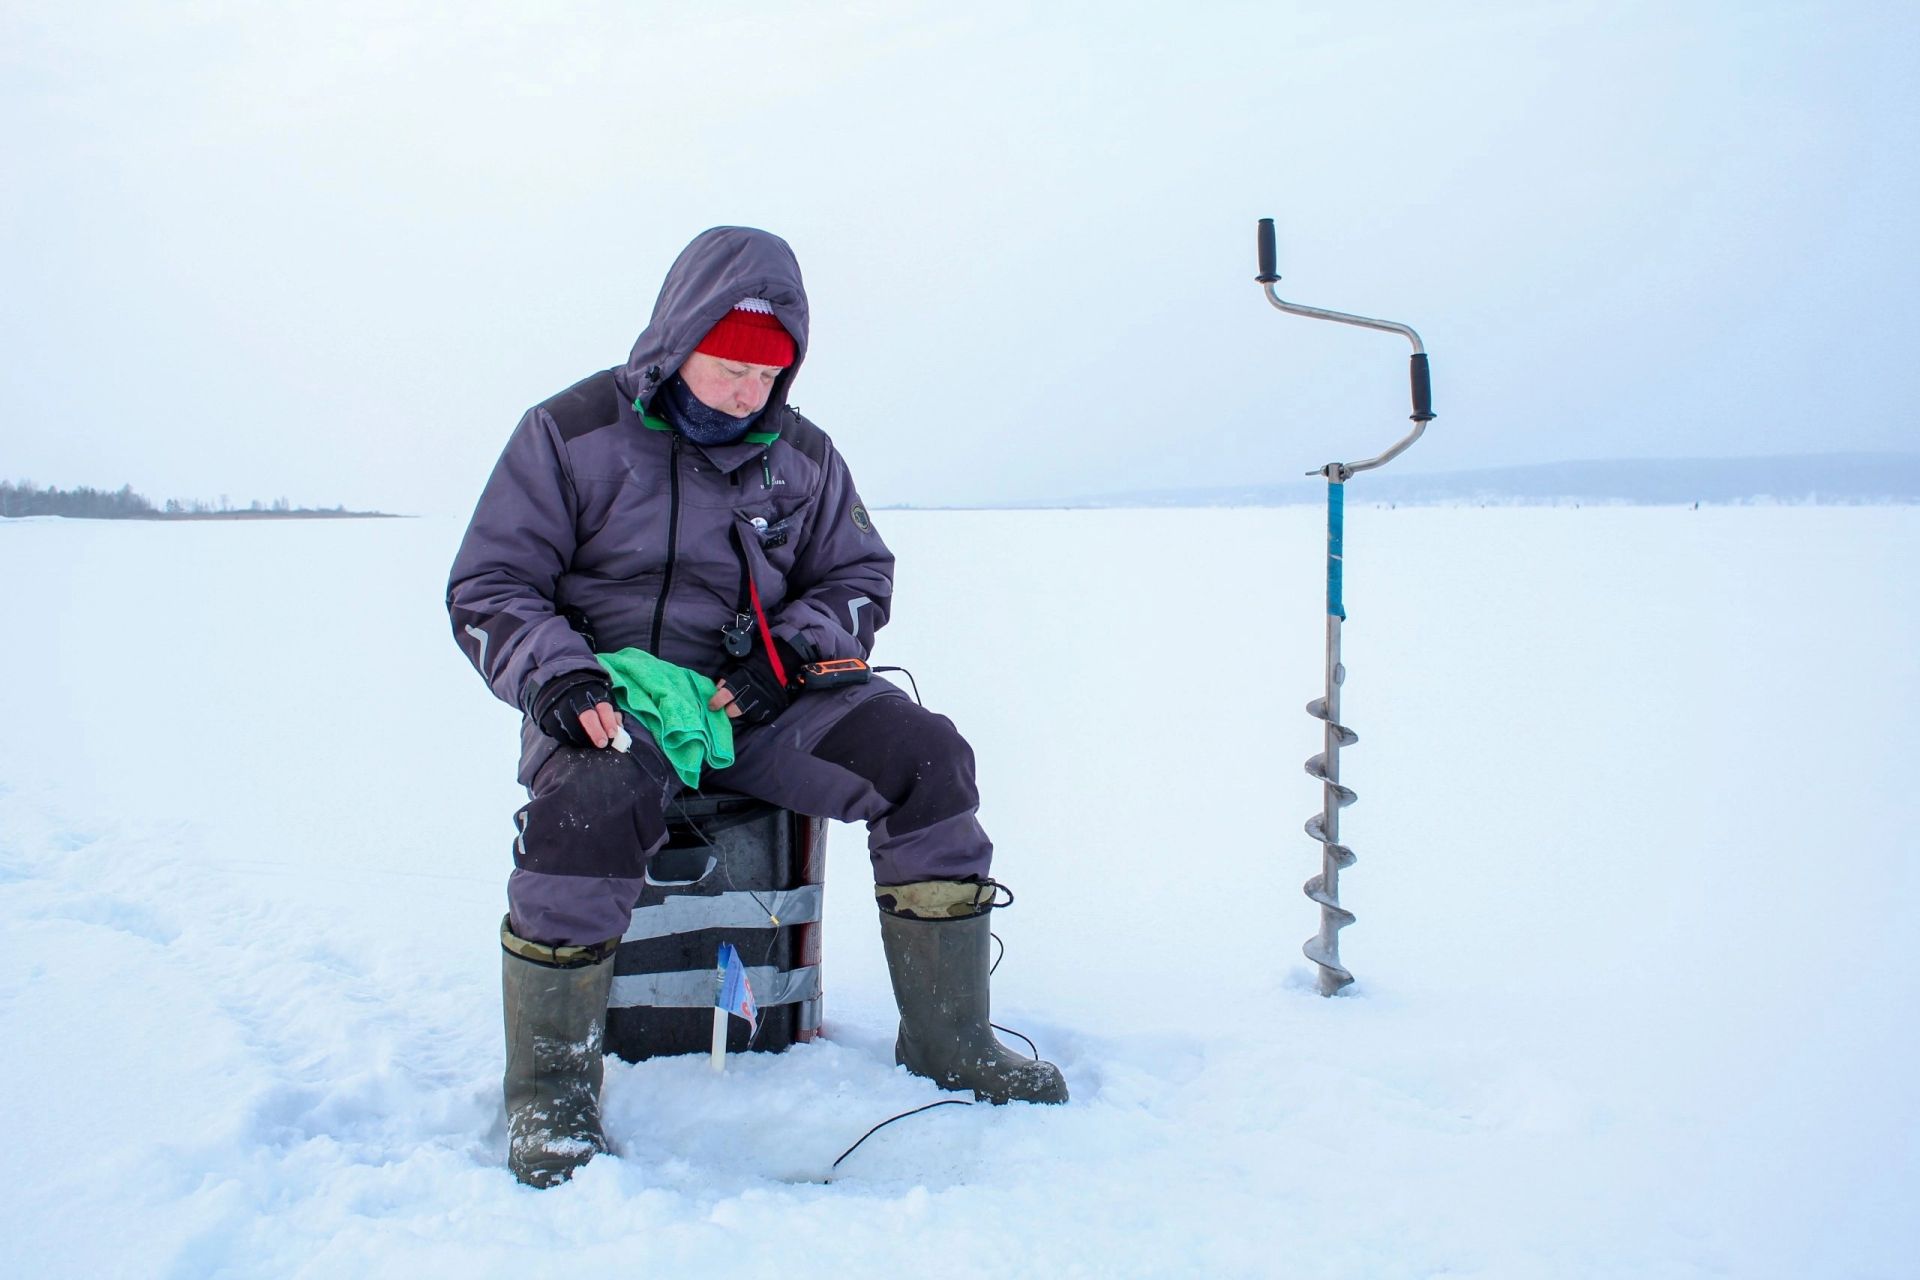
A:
(756, 690)
(561, 701)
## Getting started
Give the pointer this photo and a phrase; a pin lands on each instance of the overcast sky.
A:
(333, 251)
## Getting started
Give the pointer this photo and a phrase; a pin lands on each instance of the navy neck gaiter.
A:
(698, 423)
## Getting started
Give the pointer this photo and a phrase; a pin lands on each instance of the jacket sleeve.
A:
(842, 579)
(501, 592)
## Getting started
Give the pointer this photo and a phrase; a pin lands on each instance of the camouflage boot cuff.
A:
(940, 899)
(553, 957)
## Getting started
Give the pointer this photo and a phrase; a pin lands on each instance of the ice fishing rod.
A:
(1324, 947)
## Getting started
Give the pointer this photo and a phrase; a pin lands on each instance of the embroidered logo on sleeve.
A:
(861, 520)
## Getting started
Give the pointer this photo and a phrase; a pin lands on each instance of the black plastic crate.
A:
(731, 867)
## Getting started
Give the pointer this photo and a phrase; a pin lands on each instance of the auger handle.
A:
(1421, 376)
(1267, 258)
(1422, 388)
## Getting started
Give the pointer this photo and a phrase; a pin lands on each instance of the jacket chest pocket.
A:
(771, 542)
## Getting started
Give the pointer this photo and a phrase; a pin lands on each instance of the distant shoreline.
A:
(1497, 502)
(25, 499)
(261, 515)
(1828, 479)
(167, 517)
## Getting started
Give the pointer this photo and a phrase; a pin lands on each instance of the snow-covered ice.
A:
(1637, 957)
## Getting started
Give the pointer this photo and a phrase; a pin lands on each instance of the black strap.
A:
(743, 603)
(738, 636)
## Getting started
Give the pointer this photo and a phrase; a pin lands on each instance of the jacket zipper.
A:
(673, 538)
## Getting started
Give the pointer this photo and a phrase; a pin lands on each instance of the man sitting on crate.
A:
(678, 506)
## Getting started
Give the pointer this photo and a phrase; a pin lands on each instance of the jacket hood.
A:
(720, 267)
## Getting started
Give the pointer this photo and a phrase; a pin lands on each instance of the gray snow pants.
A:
(864, 753)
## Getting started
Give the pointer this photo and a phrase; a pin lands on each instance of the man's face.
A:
(731, 386)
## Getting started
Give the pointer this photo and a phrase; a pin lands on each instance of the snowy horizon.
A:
(1822, 479)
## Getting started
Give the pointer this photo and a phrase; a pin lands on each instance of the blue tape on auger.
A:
(1336, 538)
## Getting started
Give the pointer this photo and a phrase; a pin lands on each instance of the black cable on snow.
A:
(944, 1102)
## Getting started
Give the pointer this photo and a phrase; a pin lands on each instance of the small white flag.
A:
(736, 995)
(732, 995)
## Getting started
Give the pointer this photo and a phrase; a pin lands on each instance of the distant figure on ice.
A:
(676, 513)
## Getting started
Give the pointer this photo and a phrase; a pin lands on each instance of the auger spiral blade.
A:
(1324, 947)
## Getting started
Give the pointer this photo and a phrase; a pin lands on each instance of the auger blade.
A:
(1343, 736)
(1332, 976)
(1344, 796)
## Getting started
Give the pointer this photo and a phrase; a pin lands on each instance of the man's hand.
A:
(577, 709)
(749, 691)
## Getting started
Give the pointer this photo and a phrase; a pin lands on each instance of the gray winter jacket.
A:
(599, 517)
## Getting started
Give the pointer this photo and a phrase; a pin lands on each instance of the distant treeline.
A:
(26, 499)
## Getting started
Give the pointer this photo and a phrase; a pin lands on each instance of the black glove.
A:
(756, 690)
(561, 701)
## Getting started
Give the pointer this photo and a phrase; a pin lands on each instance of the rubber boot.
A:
(555, 1000)
(937, 938)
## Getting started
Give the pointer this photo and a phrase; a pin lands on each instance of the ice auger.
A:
(1324, 947)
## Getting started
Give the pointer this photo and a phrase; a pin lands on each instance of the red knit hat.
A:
(750, 334)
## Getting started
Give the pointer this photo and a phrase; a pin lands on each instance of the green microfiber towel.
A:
(671, 702)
